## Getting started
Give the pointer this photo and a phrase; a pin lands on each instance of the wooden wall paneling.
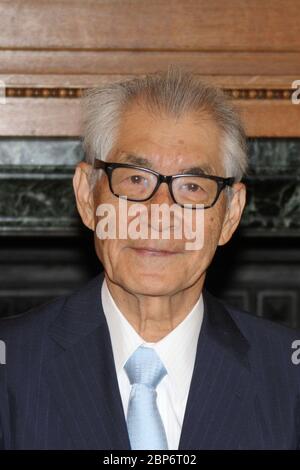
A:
(62, 117)
(180, 25)
(120, 62)
(251, 48)
(40, 117)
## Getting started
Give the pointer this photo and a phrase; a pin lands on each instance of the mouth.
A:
(148, 251)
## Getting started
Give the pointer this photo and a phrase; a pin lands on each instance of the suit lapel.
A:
(221, 383)
(82, 377)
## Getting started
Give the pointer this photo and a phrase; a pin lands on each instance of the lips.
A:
(153, 251)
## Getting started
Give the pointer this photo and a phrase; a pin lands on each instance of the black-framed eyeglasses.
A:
(139, 184)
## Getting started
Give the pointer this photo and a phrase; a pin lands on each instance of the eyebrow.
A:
(198, 170)
(135, 160)
(142, 161)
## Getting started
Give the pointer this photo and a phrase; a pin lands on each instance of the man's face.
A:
(167, 146)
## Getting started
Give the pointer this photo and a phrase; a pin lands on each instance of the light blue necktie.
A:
(145, 427)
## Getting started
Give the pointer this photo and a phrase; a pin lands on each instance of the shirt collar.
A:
(177, 350)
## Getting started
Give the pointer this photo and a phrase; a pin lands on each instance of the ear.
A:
(233, 213)
(83, 194)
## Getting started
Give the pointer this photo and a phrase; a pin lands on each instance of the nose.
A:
(162, 195)
(160, 224)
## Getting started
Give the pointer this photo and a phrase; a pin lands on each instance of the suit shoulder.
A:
(254, 326)
(273, 345)
(35, 319)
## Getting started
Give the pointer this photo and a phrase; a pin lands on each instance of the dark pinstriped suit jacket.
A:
(59, 389)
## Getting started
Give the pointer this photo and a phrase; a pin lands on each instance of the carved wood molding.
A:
(49, 105)
(74, 92)
(29, 92)
(55, 111)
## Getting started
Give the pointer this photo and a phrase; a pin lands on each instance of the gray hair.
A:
(174, 93)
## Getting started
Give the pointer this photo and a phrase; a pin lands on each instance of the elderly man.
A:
(143, 357)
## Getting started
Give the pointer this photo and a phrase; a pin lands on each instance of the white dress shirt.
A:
(177, 351)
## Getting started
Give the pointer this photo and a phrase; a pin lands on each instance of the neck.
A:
(155, 317)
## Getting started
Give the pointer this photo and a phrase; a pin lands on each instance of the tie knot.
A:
(145, 367)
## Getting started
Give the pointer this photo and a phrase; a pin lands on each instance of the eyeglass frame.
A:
(109, 167)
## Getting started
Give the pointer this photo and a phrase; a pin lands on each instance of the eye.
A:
(192, 187)
(137, 179)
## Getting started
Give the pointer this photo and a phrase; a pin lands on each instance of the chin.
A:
(149, 283)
